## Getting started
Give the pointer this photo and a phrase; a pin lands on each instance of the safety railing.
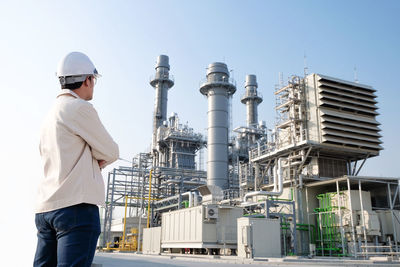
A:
(162, 76)
(217, 79)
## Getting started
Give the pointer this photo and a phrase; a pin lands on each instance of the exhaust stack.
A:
(161, 82)
(251, 99)
(218, 89)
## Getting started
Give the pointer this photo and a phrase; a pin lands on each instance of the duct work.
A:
(278, 184)
(218, 89)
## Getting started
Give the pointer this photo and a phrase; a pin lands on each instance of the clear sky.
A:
(124, 38)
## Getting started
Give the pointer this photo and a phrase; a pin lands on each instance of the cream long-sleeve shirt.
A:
(72, 141)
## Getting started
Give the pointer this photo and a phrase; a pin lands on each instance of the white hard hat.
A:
(75, 67)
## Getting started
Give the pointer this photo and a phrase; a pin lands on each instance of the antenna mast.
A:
(355, 75)
(305, 65)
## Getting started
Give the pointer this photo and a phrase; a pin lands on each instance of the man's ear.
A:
(86, 82)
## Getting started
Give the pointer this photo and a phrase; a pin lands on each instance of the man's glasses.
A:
(93, 78)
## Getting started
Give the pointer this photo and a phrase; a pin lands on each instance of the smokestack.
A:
(161, 82)
(218, 89)
(251, 99)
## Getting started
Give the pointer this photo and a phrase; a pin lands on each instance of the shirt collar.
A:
(68, 91)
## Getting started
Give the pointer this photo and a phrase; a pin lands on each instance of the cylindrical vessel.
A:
(218, 89)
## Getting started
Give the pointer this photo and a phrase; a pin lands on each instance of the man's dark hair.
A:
(72, 86)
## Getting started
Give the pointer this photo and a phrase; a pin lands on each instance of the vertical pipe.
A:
(340, 216)
(351, 217)
(111, 202)
(362, 215)
(300, 213)
(256, 175)
(308, 220)
(218, 89)
(148, 202)
(398, 189)
(391, 212)
(123, 235)
(321, 233)
(195, 199)
(190, 199)
(294, 230)
(105, 236)
(275, 176)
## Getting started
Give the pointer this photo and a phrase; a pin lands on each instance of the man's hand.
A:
(102, 163)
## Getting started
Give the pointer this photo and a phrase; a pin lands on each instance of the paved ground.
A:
(130, 259)
(125, 260)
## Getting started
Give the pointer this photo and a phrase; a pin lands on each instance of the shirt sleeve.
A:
(90, 128)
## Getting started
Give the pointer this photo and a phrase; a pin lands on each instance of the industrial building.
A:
(296, 184)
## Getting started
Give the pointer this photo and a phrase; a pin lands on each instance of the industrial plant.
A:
(292, 189)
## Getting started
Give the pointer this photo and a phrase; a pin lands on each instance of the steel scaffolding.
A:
(168, 185)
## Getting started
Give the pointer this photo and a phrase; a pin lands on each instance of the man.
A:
(74, 146)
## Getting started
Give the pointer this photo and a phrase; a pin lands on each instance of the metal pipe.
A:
(275, 178)
(190, 199)
(308, 221)
(398, 188)
(123, 235)
(218, 90)
(391, 212)
(195, 199)
(362, 214)
(352, 219)
(256, 175)
(340, 216)
(148, 202)
(105, 237)
(279, 180)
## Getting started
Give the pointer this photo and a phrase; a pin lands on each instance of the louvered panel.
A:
(349, 116)
(354, 90)
(356, 124)
(327, 125)
(352, 101)
(345, 141)
(348, 94)
(347, 83)
(351, 136)
(340, 105)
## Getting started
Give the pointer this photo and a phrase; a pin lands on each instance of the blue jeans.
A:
(67, 236)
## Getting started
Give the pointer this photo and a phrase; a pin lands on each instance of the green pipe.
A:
(302, 227)
(328, 230)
